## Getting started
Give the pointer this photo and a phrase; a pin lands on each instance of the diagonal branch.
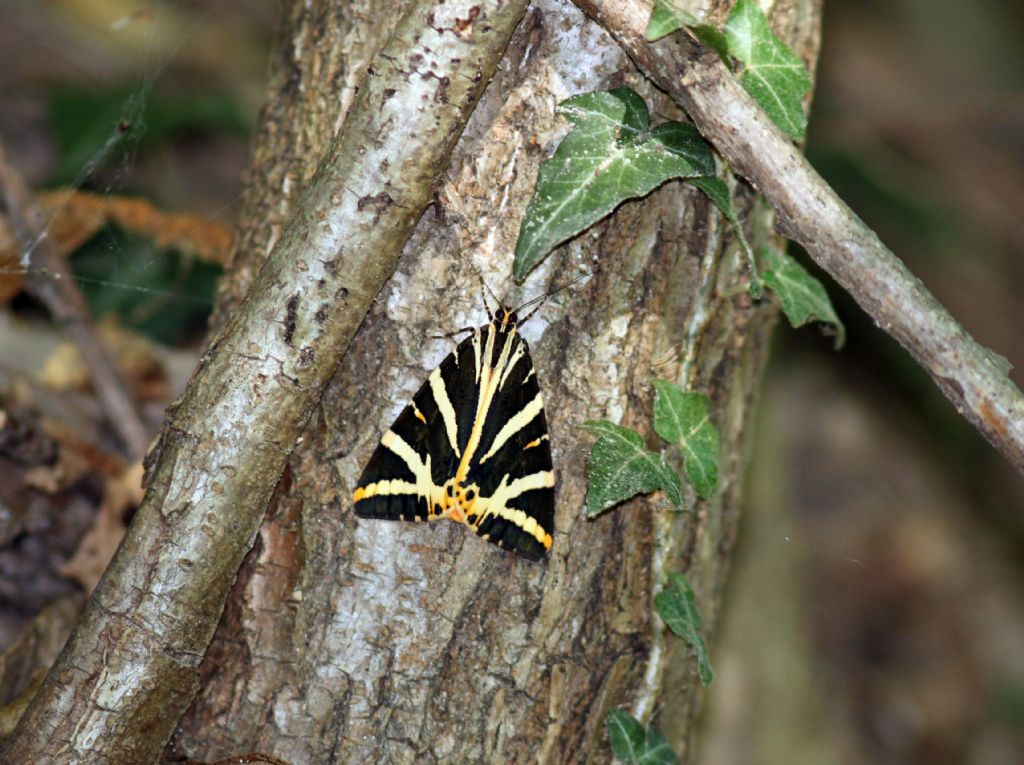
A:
(131, 667)
(49, 280)
(811, 213)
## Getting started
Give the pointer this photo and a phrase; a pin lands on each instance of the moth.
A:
(472, 446)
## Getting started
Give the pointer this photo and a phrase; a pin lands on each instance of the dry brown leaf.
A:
(77, 215)
(73, 217)
(78, 456)
(10, 265)
(28, 464)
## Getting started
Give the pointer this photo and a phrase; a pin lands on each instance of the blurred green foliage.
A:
(95, 127)
(160, 294)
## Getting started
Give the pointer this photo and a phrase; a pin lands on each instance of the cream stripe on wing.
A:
(517, 354)
(520, 420)
(542, 479)
(497, 503)
(483, 403)
(477, 361)
(444, 405)
(419, 468)
(386, 487)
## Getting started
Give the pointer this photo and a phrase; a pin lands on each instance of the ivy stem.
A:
(664, 543)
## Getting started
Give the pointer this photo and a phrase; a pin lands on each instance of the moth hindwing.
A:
(472, 446)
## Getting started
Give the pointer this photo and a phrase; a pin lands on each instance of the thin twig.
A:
(974, 378)
(49, 280)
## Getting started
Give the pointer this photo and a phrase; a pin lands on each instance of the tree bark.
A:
(132, 664)
(358, 641)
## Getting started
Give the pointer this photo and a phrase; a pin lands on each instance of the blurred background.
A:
(876, 608)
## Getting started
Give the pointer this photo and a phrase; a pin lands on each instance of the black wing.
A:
(417, 455)
(512, 465)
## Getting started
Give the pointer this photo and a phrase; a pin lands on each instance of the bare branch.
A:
(49, 280)
(810, 212)
(131, 667)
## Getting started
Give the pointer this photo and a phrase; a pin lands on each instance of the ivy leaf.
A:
(619, 467)
(610, 155)
(803, 297)
(683, 418)
(677, 606)
(668, 16)
(772, 74)
(718, 192)
(635, 745)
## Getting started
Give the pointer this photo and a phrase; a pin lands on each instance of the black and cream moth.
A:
(472, 446)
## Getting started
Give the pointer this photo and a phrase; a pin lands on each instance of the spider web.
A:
(135, 76)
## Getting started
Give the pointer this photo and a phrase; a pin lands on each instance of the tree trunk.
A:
(361, 641)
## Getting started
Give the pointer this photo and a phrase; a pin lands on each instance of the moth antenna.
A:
(483, 295)
(540, 300)
(489, 290)
(483, 285)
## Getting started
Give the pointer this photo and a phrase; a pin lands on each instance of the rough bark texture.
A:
(132, 665)
(372, 642)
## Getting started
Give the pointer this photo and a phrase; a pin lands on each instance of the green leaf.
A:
(635, 745)
(803, 297)
(683, 418)
(668, 16)
(610, 155)
(158, 293)
(619, 467)
(718, 192)
(772, 74)
(677, 606)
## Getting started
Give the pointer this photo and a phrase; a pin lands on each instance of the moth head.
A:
(506, 318)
